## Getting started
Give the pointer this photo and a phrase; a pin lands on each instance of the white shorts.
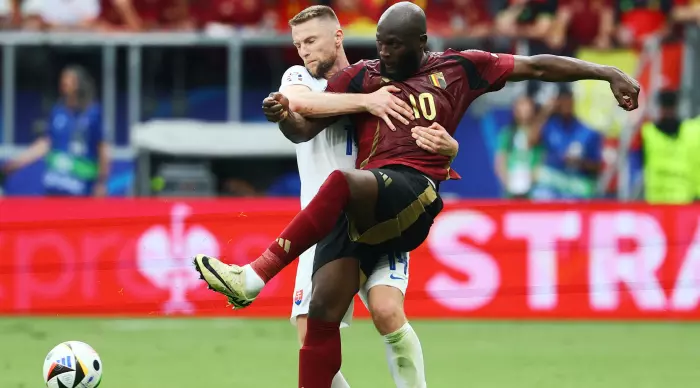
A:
(389, 271)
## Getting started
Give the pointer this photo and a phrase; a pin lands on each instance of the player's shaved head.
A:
(401, 40)
(404, 17)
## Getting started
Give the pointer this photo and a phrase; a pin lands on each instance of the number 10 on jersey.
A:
(426, 102)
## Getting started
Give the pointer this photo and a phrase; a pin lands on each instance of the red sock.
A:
(306, 229)
(320, 357)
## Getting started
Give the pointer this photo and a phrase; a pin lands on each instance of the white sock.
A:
(339, 381)
(405, 357)
(253, 282)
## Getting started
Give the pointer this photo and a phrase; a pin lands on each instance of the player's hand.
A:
(385, 105)
(275, 107)
(435, 139)
(625, 89)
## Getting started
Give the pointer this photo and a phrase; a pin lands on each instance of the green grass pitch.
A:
(174, 353)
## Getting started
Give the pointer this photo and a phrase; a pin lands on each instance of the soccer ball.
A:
(72, 364)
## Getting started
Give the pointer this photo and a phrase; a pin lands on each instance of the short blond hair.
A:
(313, 12)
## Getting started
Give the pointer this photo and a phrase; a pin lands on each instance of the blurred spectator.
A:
(15, 13)
(686, 11)
(572, 151)
(233, 187)
(465, 18)
(638, 19)
(516, 158)
(530, 21)
(64, 14)
(144, 15)
(582, 23)
(671, 155)
(244, 14)
(358, 17)
(77, 162)
(10, 14)
(287, 9)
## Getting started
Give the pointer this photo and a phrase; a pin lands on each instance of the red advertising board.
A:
(482, 260)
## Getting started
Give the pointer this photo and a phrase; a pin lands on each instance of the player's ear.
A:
(424, 42)
(339, 37)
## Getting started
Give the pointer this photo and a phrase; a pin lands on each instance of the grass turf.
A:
(263, 353)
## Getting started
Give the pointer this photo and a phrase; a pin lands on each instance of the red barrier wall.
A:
(489, 260)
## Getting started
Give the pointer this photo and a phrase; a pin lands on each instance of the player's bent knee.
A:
(386, 308)
(326, 309)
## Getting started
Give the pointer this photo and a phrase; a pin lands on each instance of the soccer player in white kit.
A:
(318, 38)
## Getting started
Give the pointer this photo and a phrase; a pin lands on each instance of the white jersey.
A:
(332, 149)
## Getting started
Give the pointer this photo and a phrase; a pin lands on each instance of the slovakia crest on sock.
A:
(298, 296)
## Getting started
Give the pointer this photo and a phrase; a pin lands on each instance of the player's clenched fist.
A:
(275, 107)
(385, 105)
(625, 89)
(435, 139)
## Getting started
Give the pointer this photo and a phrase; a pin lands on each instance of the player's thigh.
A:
(363, 198)
(335, 284)
(407, 204)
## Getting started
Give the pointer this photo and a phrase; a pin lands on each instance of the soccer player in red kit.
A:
(389, 203)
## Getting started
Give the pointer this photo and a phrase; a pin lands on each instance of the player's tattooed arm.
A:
(553, 68)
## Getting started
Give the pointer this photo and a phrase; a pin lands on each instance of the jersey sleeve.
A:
(348, 80)
(487, 71)
(297, 75)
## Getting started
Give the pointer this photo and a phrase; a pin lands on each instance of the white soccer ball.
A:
(72, 364)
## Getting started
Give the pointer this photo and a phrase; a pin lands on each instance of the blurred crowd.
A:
(545, 152)
(548, 24)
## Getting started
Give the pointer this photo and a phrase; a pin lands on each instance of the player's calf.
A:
(403, 349)
(338, 380)
(334, 286)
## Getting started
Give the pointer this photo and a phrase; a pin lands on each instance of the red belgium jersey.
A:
(441, 91)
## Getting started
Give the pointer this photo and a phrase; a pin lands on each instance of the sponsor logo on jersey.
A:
(298, 296)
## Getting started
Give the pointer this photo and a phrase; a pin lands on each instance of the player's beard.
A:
(322, 67)
(406, 67)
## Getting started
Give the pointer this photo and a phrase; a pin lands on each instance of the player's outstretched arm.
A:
(382, 103)
(553, 68)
